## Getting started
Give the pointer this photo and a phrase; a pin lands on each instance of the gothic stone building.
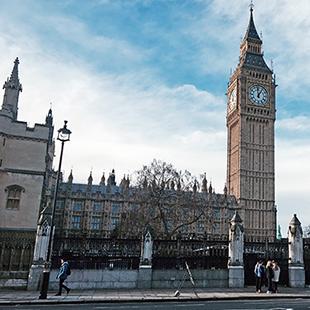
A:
(88, 211)
(97, 209)
(250, 144)
(26, 156)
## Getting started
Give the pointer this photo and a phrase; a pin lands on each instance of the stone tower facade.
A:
(250, 142)
(26, 156)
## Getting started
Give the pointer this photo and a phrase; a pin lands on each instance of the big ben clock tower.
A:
(250, 142)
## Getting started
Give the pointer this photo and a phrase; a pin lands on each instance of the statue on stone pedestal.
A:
(235, 253)
(147, 249)
(296, 267)
(295, 241)
(236, 242)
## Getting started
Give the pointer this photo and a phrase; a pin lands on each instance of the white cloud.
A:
(123, 121)
(297, 123)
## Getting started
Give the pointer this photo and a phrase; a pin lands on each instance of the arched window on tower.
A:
(14, 194)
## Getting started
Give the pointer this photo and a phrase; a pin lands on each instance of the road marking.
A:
(119, 307)
(263, 309)
(192, 305)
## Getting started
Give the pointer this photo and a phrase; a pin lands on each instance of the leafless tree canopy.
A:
(306, 231)
(168, 201)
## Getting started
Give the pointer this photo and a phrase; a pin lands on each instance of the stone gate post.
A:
(40, 249)
(235, 252)
(296, 269)
(145, 268)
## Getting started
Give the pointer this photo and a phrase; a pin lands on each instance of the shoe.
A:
(68, 291)
(58, 294)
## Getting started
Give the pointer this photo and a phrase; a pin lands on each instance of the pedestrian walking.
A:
(62, 275)
(269, 276)
(276, 276)
(259, 275)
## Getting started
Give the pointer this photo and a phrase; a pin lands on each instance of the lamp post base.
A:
(44, 287)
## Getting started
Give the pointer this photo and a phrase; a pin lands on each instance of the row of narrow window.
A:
(258, 75)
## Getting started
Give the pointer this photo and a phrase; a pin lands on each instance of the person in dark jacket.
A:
(62, 276)
(269, 276)
(259, 271)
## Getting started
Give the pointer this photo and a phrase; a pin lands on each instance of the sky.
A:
(145, 79)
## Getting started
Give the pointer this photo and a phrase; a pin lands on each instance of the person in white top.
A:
(276, 276)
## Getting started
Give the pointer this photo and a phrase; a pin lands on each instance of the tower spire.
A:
(12, 88)
(251, 32)
(14, 80)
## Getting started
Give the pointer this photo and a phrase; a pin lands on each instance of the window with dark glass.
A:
(97, 207)
(95, 223)
(77, 206)
(14, 193)
(76, 222)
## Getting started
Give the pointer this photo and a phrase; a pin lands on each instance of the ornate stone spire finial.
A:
(195, 187)
(14, 80)
(102, 181)
(144, 184)
(251, 32)
(12, 88)
(210, 188)
(251, 6)
(70, 177)
(225, 190)
(49, 118)
(204, 186)
(90, 179)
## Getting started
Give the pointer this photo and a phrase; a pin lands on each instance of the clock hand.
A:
(259, 91)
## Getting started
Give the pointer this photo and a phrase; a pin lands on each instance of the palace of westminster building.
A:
(27, 177)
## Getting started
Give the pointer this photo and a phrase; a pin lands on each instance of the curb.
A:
(148, 300)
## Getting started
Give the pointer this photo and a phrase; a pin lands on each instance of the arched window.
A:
(14, 196)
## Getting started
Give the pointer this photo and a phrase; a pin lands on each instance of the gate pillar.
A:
(235, 252)
(296, 268)
(145, 268)
(40, 249)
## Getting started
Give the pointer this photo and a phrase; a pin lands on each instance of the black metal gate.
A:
(265, 251)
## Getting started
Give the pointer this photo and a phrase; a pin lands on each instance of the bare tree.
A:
(306, 231)
(167, 200)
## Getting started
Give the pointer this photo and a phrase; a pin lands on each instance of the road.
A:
(275, 304)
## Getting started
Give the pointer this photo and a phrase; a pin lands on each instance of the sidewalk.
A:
(14, 297)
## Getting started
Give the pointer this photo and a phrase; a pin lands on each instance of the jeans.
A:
(61, 285)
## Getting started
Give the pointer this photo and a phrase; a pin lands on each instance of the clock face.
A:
(258, 94)
(232, 102)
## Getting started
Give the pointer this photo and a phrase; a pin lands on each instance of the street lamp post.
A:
(63, 136)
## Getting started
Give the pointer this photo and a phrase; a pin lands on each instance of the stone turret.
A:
(296, 256)
(12, 88)
(235, 252)
(49, 123)
(111, 179)
(124, 183)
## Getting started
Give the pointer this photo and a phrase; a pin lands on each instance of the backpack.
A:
(68, 271)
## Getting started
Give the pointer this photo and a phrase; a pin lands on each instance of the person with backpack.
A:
(259, 271)
(62, 275)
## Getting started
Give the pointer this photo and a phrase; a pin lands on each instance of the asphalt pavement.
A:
(18, 297)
